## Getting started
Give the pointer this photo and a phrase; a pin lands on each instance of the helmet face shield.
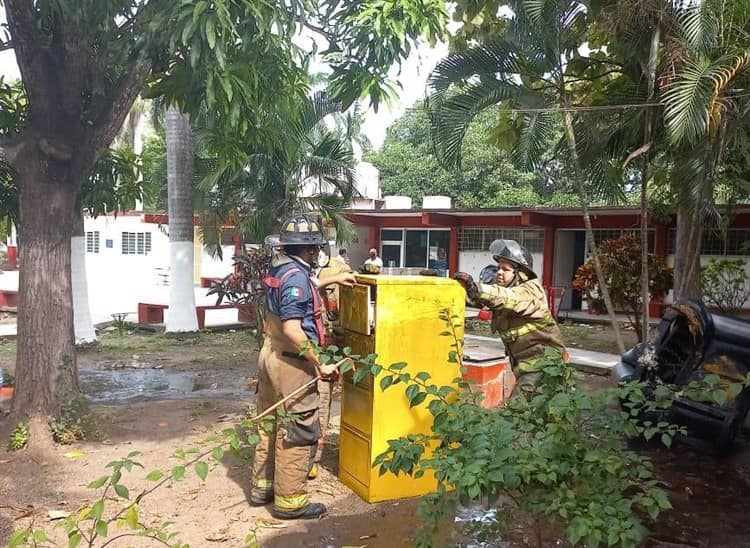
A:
(513, 252)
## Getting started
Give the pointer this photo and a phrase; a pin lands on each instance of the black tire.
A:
(733, 422)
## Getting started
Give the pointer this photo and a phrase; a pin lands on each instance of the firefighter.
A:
(331, 270)
(294, 318)
(520, 312)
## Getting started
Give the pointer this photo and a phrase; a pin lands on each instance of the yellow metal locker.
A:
(399, 319)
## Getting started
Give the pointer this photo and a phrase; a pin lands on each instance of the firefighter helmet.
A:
(515, 253)
(297, 230)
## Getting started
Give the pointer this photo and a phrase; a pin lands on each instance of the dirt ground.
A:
(220, 367)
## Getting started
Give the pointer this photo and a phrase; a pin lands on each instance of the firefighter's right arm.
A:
(292, 328)
(524, 299)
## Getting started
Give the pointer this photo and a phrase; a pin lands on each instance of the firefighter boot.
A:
(313, 510)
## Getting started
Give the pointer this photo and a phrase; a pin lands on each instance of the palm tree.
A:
(530, 71)
(310, 168)
(182, 316)
(706, 107)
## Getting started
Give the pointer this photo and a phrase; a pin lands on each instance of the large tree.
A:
(486, 178)
(529, 69)
(84, 62)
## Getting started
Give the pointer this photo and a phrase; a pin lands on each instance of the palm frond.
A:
(692, 99)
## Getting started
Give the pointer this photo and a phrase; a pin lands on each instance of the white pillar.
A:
(181, 313)
(82, 322)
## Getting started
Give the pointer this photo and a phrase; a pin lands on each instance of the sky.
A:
(412, 77)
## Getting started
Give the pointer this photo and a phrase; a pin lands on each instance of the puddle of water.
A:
(113, 386)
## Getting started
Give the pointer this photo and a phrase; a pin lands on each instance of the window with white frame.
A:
(136, 243)
(415, 248)
(92, 242)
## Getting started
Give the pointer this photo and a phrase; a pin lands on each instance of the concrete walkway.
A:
(600, 363)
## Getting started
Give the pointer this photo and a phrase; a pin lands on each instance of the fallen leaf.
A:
(163, 424)
(366, 537)
(6, 461)
(53, 515)
(74, 454)
(270, 524)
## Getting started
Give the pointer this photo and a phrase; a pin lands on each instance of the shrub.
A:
(725, 284)
(621, 265)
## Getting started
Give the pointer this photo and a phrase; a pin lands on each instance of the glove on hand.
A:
(472, 291)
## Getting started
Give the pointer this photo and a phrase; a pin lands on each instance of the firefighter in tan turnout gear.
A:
(520, 313)
(294, 318)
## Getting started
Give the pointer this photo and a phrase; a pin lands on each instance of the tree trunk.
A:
(687, 253)
(647, 135)
(181, 314)
(46, 373)
(83, 325)
(572, 147)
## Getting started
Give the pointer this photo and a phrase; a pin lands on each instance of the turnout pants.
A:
(325, 389)
(282, 456)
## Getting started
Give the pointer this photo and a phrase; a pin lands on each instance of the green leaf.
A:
(178, 473)
(218, 453)
(101, 528)
(19, 538)
(122, 491)
(74, 539)
(96, 484)
(201, 468)
(398, 366)
(131, 517)
(155, 475)
(97, 509)
(210, 33)
(419, 398)
(385, 382)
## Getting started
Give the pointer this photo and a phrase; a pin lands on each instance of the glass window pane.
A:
(439, 242)
(389, 234)
(416, 249)
(391, 253)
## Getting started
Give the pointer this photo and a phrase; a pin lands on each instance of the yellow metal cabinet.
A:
(399, 319)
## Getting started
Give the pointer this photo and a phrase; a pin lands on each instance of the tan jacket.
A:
(521, 316)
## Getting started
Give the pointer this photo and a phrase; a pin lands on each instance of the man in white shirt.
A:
(373, 259)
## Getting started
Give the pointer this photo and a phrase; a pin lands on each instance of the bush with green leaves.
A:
(557, 453)
(725, 284)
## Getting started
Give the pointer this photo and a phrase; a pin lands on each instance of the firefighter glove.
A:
(472, 291)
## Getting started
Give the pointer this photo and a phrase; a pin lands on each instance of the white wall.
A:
(358, 249)
(473, 262)
(215, 268)
(117, 282)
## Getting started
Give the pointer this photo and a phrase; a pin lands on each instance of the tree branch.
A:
(28, 49)
(111, 115)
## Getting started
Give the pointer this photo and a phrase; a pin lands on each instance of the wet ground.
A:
(127, 384)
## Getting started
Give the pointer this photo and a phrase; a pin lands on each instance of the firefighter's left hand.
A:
(346, 278)
(472, 291)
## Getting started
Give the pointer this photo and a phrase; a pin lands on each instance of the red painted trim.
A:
(439, 220)
(601, 221)
(453, 251)
(534, 218)
(163, 219)
(549, 256)
(374, 238)
(491, 221)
